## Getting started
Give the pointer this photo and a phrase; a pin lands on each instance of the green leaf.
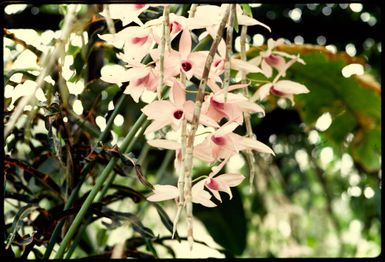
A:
(247, 9)
(366, 149)
(226, 223)
(165, 219)
(18, 221)
(354, 103)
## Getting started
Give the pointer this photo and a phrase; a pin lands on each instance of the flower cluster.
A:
(222, 110)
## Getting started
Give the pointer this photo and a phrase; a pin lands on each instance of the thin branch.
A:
(194, 124)
(229, 41)
(249, 131)
(12, 36)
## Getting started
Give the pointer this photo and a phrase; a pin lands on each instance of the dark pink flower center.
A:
(272, 60)
(219, 140)
(212, 184)
(138, 6)
(139, 40)
(142, 80)
(186, 65)
(178, 114)
(216, 104)
(217, 63)
(175, 26)
(276, 92)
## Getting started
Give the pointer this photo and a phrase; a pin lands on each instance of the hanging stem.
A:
(249, 131)
(194, 126)
(165, 38)
(229, 41)
(192, 11)
(181, 178)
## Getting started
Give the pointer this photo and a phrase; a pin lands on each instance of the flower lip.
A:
(139, 40)
(216, 63)
(142, 80)
(175, 26)
(186, 65)
(139, 6)
(216, 104)
(178, 114)
(276, 92)
(219, 140)
(272, 59)
(212, 184)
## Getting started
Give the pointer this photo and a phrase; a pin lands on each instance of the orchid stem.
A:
(181, 178)
(229, 41)
(249, 131)
(194, 125)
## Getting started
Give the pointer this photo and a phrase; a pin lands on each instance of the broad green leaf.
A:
(354, 102)
(226, 223)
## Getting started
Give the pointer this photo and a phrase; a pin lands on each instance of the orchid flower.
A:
(209, 17)
(177, 24)
(137, 42)
(216, 107)
(273, 59)
(282, 88)
(173, 112)
(167, 192)
(140, 77)
(127, 13)
(222, 182)
(223, 143)
(183, 60)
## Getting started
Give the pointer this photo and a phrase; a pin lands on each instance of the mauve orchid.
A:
(222, 182)
(177, 24)
(172, 112)
(137, 42)
(167, 192)
(183, 60)
(223, 143)
(141, 78)
(127, 13)
(209, 17)
(282, 88)
(232, 108)
(270, 58)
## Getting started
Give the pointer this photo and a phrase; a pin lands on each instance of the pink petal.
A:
(249, 143)
(156, 125)
(159, 110)
(200, 196)
(248, 106)
(163, 143)
(163, 192)
(134, 91)
(290, 87)
(178, 93)
(247, 67)
(226, 128)
(185, 44)
(262, 92)
(230, 179)
(266, 68)
(203, 151)
(203, 119)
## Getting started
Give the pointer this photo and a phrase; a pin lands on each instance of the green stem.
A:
(83, 174)
(99, 183)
